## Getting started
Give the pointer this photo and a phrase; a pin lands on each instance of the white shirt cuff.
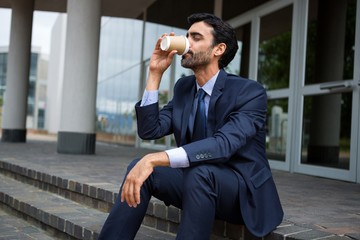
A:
(149, 97)
(178, 158)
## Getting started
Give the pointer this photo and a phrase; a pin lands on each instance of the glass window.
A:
(240, 64)
(327, 130)
(276, 129)
(33, 65)
(3, 70)
(275, 49)
(330, 41)
(118, 79)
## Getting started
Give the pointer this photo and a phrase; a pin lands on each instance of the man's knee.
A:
(201, 174)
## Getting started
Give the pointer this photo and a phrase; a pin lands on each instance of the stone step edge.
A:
(159, 216)
(43, 213)
(50, 231)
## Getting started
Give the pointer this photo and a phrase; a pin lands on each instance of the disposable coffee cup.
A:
(179, 43)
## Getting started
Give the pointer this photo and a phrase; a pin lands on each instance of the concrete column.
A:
(78, 108)
(15, 101)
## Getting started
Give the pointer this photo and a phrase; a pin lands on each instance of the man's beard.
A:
(196, 60)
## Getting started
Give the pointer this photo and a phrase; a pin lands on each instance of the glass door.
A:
(329, 95)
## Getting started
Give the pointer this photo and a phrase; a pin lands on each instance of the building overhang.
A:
(113, 8)
(166, 12)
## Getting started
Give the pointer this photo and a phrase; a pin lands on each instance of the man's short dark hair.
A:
(223, 33)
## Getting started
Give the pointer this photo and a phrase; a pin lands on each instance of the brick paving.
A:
(317, 204)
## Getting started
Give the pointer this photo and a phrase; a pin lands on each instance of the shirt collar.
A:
(209, 85)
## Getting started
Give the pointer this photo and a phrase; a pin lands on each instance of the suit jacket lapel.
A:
(216, 93)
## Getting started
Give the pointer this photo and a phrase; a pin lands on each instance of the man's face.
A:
(200, 39)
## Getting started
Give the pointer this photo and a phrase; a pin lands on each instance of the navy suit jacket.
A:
(236, 138)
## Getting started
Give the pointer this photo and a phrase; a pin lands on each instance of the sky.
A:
(42, 24)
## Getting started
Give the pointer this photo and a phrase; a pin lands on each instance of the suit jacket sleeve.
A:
(152, 123)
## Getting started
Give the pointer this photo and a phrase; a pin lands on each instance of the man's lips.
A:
(188, 53)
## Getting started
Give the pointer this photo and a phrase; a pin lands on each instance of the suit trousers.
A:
(204, 193)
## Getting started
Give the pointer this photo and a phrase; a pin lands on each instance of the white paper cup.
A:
(179, 43)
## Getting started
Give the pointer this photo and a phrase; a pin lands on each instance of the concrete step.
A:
(14, 227)
(98, 198)
(64, 216)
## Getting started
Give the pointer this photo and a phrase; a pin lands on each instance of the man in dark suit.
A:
(223, 174)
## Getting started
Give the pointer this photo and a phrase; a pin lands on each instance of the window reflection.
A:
(330, 41)
(275, 49)
(120, 67)
(277, 127)
(327, 130)
(240, 65)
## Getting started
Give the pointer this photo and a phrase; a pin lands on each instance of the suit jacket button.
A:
(206, 155)
(197, 156)
(201, 155)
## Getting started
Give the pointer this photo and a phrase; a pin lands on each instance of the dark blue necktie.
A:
(200, 117)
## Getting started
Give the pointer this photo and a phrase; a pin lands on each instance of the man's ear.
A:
(219, 49)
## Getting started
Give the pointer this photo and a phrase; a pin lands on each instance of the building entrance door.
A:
(329, 96)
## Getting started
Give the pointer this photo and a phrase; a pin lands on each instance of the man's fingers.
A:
(137, 193)
(123, 190)
(130, 195)
(133, 182)
(131, 192)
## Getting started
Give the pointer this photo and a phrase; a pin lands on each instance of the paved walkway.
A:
(318, 203)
